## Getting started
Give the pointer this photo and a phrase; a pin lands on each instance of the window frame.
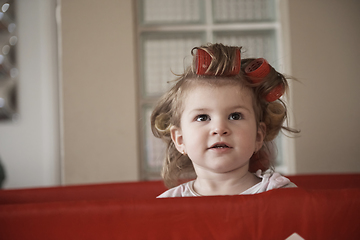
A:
(285, 145)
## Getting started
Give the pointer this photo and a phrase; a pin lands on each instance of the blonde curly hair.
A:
(168, 111)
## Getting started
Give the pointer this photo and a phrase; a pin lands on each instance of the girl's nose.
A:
(220, 128)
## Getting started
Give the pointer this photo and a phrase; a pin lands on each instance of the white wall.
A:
(325, 37)
(29, 146)
(99, 91)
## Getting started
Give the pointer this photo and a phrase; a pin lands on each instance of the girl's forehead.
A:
(205, 93)
(201, 86)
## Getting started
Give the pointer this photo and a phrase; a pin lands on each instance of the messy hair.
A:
(167, 112)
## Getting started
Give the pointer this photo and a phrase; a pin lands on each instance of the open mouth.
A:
(219, 145)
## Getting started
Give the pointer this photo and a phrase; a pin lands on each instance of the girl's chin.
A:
(223, 169)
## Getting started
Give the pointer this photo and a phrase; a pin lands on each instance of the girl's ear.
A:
(177, 138)
(260, 135)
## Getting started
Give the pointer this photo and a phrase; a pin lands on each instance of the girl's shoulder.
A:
(183, 190)
(270, 180)
(290, 185)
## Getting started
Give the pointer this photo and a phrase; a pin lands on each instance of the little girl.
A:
(218, 121)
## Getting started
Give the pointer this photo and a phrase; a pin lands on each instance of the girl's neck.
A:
(229, 185)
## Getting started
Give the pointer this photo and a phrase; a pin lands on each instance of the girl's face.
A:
(218, 128)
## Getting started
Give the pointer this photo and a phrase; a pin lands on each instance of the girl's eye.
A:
(202, 118)
(236, 116)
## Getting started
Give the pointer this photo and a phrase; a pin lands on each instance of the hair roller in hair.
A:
(257, 70)
(203, 62)
(275, 93)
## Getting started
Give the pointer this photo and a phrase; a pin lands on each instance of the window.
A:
(169, 29)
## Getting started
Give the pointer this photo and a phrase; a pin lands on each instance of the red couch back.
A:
(323, 207)
(118, 191)
(151, 189)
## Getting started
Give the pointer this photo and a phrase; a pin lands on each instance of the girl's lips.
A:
(220, 145)
(220, 148)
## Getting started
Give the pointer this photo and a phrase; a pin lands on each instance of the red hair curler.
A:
(257, 70)
(203, 61)
(275, 93)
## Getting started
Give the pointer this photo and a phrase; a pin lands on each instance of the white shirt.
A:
(270, 180)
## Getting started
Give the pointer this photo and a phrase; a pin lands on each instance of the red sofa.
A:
(323, 207)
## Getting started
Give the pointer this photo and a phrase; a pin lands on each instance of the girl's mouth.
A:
(220, 145)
